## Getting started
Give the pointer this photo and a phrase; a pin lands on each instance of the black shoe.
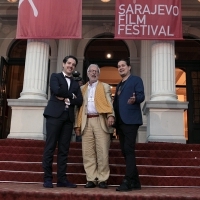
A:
(90, 184)
(136, 186)
(125, 186)
(48, 184)
(66, 184)
(103, 185)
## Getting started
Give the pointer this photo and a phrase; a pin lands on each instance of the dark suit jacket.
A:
(59, 87)
(130, 113)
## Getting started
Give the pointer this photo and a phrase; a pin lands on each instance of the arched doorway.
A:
(105, 51)
(188, 65)
(14, 79)
(16, 62)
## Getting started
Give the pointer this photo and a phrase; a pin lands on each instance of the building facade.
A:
(170, 71)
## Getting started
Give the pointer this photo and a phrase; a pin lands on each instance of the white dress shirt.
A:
(67, 101)
(67, 79)
(91, 109)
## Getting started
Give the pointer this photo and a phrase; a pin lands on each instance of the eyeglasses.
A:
(94, 71)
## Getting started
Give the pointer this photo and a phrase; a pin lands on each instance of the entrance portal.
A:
(15, 76)
(188, 63)
(105, 52)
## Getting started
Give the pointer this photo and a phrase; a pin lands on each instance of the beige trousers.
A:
(95, 151)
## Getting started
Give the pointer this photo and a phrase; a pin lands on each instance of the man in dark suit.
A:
(129, 94)
(59, 114)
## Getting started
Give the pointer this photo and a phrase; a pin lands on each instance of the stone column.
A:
(36, 68)
(65, 48)
(145, 68)
(53, 68)
(79, 67)
(164, 112)
(27, 120)
(135, 66)
(163, 71)
(145, 61)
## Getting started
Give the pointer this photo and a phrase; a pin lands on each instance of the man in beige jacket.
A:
(94, 120)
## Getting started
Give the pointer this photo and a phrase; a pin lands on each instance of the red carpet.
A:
(13, 191)
(160, 165)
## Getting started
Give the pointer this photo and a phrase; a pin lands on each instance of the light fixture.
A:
(105, 1)
(12, 1)
(108, 55)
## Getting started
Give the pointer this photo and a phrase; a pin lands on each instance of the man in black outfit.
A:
(59, 114)
(129, 94)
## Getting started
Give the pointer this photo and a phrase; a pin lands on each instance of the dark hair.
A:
(125, 60)
(67, 57)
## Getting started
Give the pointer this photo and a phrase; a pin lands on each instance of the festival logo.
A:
(142, 19)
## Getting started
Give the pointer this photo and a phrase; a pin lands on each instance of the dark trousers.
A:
(59, 132)
(127, 137)
(78, 138)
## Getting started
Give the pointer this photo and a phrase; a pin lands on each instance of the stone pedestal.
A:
(165, 121)
(27, 120)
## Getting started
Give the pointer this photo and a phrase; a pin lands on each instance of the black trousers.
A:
(59, 132)
(127, 137)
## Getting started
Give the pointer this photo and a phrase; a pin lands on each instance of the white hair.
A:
(93, 65)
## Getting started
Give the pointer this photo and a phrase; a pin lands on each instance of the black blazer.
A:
(59, 88)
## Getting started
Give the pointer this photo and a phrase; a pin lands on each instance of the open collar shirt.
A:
(91, 109)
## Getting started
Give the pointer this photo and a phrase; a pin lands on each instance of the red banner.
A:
(148, 19)
(49, 19)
